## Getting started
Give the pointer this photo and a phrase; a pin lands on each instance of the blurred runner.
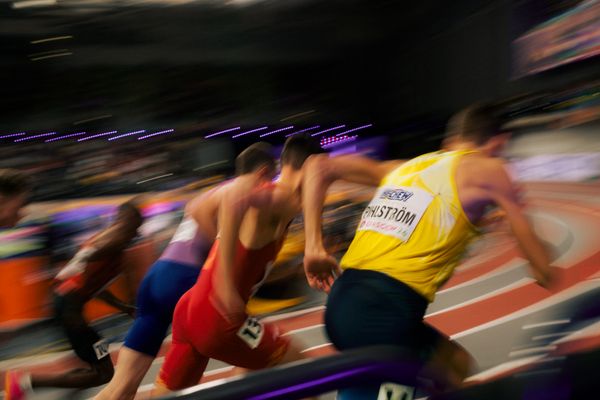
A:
(410, 237)
(173, 274)
(93, 268)
(210, 320)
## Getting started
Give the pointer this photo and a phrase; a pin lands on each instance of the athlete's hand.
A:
(321, 269)
(549, 278)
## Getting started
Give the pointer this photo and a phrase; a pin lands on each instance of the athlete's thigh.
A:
(253, 345)
(158, 295)
(366, 308)
(82, 337)
(170, 281)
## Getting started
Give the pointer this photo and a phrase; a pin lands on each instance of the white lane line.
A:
(567, 294)
(530, 350)
(515, 263)
(547, 323)
(218, 371)
(320, 346)
(520, 283)
(504, 367)
(587, 332)
(293, 314)
(552, 335)
(143, 388)
(301, 330)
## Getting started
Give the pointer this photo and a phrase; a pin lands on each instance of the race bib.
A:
(393, 391)
(251, 332)
(101, 349)
(185, 231)
(395, 211)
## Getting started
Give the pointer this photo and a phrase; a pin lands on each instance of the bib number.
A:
(101, 349)
(393, 391)
(251, 332)
(395, 211)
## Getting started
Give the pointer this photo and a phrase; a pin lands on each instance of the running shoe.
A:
(13, 390)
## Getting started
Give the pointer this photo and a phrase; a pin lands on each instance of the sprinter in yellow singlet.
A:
(410, 238)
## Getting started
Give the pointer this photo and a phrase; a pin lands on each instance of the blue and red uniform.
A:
(173, 274)
(201, 332)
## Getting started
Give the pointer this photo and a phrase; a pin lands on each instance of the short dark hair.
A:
(478, 123)
(297, 149)
(254, 157)
(13, 182)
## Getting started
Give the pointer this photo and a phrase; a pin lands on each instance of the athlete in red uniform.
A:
(172, 275)
(94, 267)
(210, 320)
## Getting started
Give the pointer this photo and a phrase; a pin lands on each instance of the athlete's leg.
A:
(142, 343)
(184, 364)
(69, 312)
(253, 345)
(157, 297)
(450, 360)
(293, 352)
(366, 308)
(183, 368)
(257, 345)
(98, 374)
(131, 368)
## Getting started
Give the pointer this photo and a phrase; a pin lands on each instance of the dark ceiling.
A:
(213, 63)
(157, 63)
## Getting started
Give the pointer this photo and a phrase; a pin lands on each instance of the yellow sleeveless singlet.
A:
(414, 229)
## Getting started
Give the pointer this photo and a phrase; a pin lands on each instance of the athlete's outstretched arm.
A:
(351, 168)
(320, 172)
(107, 244)
(505, 195)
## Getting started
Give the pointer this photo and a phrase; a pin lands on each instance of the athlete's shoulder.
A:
(485, 172)
(481, 163)
(207, 198)
(200, 199)
(492, 167)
